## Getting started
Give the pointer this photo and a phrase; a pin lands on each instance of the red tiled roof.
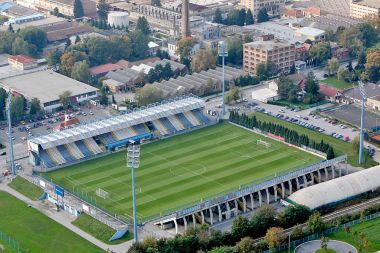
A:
(67, 123)
(21, 58)
(105, 68)
(327, 91)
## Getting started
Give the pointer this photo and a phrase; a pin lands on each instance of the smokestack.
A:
(185, 19)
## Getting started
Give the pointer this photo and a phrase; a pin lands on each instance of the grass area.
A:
(370, 228)
(36, 232)
(340, 147)
(98, 229)
(283, 102)
(26, 188)
(183, 170)
(335, 82)
(325, 251)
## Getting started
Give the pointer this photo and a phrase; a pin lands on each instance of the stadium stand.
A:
(90, 140)
(176, 123)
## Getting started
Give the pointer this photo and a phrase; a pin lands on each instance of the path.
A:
(338, 246)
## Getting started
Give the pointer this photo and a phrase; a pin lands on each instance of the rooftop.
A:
(310, 31)
(268, 44)
(369, 3)
(21, 58)
(45, 85)
(105, 68)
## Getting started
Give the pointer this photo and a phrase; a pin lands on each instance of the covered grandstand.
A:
(338, 190)
(90, 140)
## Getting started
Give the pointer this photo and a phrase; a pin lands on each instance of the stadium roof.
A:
(338, 189)
(116, 123)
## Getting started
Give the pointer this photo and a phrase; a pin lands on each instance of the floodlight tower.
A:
(362, 118)
(11, 155)
(133, 161)
(223, 52)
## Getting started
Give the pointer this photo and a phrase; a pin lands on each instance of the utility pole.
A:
(11, 155)
(133, 161)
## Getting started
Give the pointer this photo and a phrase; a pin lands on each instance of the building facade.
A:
(361, 9)
(279, 52)
(273, 7)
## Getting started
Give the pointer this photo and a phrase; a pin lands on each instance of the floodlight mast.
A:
(133, 161)
(223, 52)
(362, 118)
(11, 154)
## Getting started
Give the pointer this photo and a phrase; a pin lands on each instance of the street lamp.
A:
(133, 161)
(9, 102)
(223, 52)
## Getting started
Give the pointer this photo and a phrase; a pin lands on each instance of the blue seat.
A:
(168, 125)
(182, 118)
(65, 154)
(46, 159)
(82, 147)
(200, 116)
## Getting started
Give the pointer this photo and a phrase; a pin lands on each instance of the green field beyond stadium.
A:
(183, 170)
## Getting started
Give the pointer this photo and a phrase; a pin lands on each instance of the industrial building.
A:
(274, 7)
(47, 86)
(338, 190)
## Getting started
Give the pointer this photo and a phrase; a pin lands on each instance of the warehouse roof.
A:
(45, 85)
(338, 189)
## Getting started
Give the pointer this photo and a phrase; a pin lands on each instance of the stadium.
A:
(192, 170)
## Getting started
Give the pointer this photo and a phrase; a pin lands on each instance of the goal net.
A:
(102, 193)
(263, 143)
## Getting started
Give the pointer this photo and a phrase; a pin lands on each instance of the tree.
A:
(156, 3)
(224, 249)
(330, 153)
(80, 72)
(3, 98)
(17, 107)
(249, 18)
(184, 47)
(218, 16)
(10, 28)
(293, 69)
(35, 36)
(262, 16)
(67, 63)
(20, 46)
(235, 51)
(344, 75)
(162, 54)
(274, 237)
(148, 95)
(77, 39)
(246, 245)
(54, 57)
(372, 66)
(315, 223)
(102, 9)
(311, 84)
(104, 96)
(332, 66)
(64, 99)
(324, 243)
(240, 227)
(261, 71)
(286, 87)
(320, 52)
(232, 95)
(143, 25)
(35, 106)
(293, 215)
(241, 17)
(78, 9)
(263, 218)
(204, 59)
(56, 11)
(139, 43)
(167, 71)
(68, 43)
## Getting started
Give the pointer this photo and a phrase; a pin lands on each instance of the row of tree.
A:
(28, 41)
(159, 73)
(290, 136)
(240, 17)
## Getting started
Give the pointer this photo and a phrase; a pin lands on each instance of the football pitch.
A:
(183, 170)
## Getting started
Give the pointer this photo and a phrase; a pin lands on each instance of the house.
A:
(103, 69)
(330, 93)
(22, 62)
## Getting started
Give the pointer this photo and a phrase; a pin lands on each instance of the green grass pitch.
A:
(36, 232)
(183, 170)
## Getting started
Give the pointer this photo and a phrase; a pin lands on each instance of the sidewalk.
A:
(65, 219)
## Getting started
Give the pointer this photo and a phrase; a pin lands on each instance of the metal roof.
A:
(152, 112)
(338, 189)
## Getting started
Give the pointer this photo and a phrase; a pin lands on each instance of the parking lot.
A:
(45, 124)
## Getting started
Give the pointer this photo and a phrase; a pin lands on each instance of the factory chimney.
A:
(185, 19)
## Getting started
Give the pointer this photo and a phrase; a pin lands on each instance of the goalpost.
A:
(264, 143)
(102, 193)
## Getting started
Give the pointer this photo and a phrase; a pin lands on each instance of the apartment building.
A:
(273, 7)
(361, 9)
(280, 52)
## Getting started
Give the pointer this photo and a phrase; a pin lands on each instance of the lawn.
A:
(98, 229)
(36, 232)
(26, 188)
(340, 147)
(183, 170)
(335, 82)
